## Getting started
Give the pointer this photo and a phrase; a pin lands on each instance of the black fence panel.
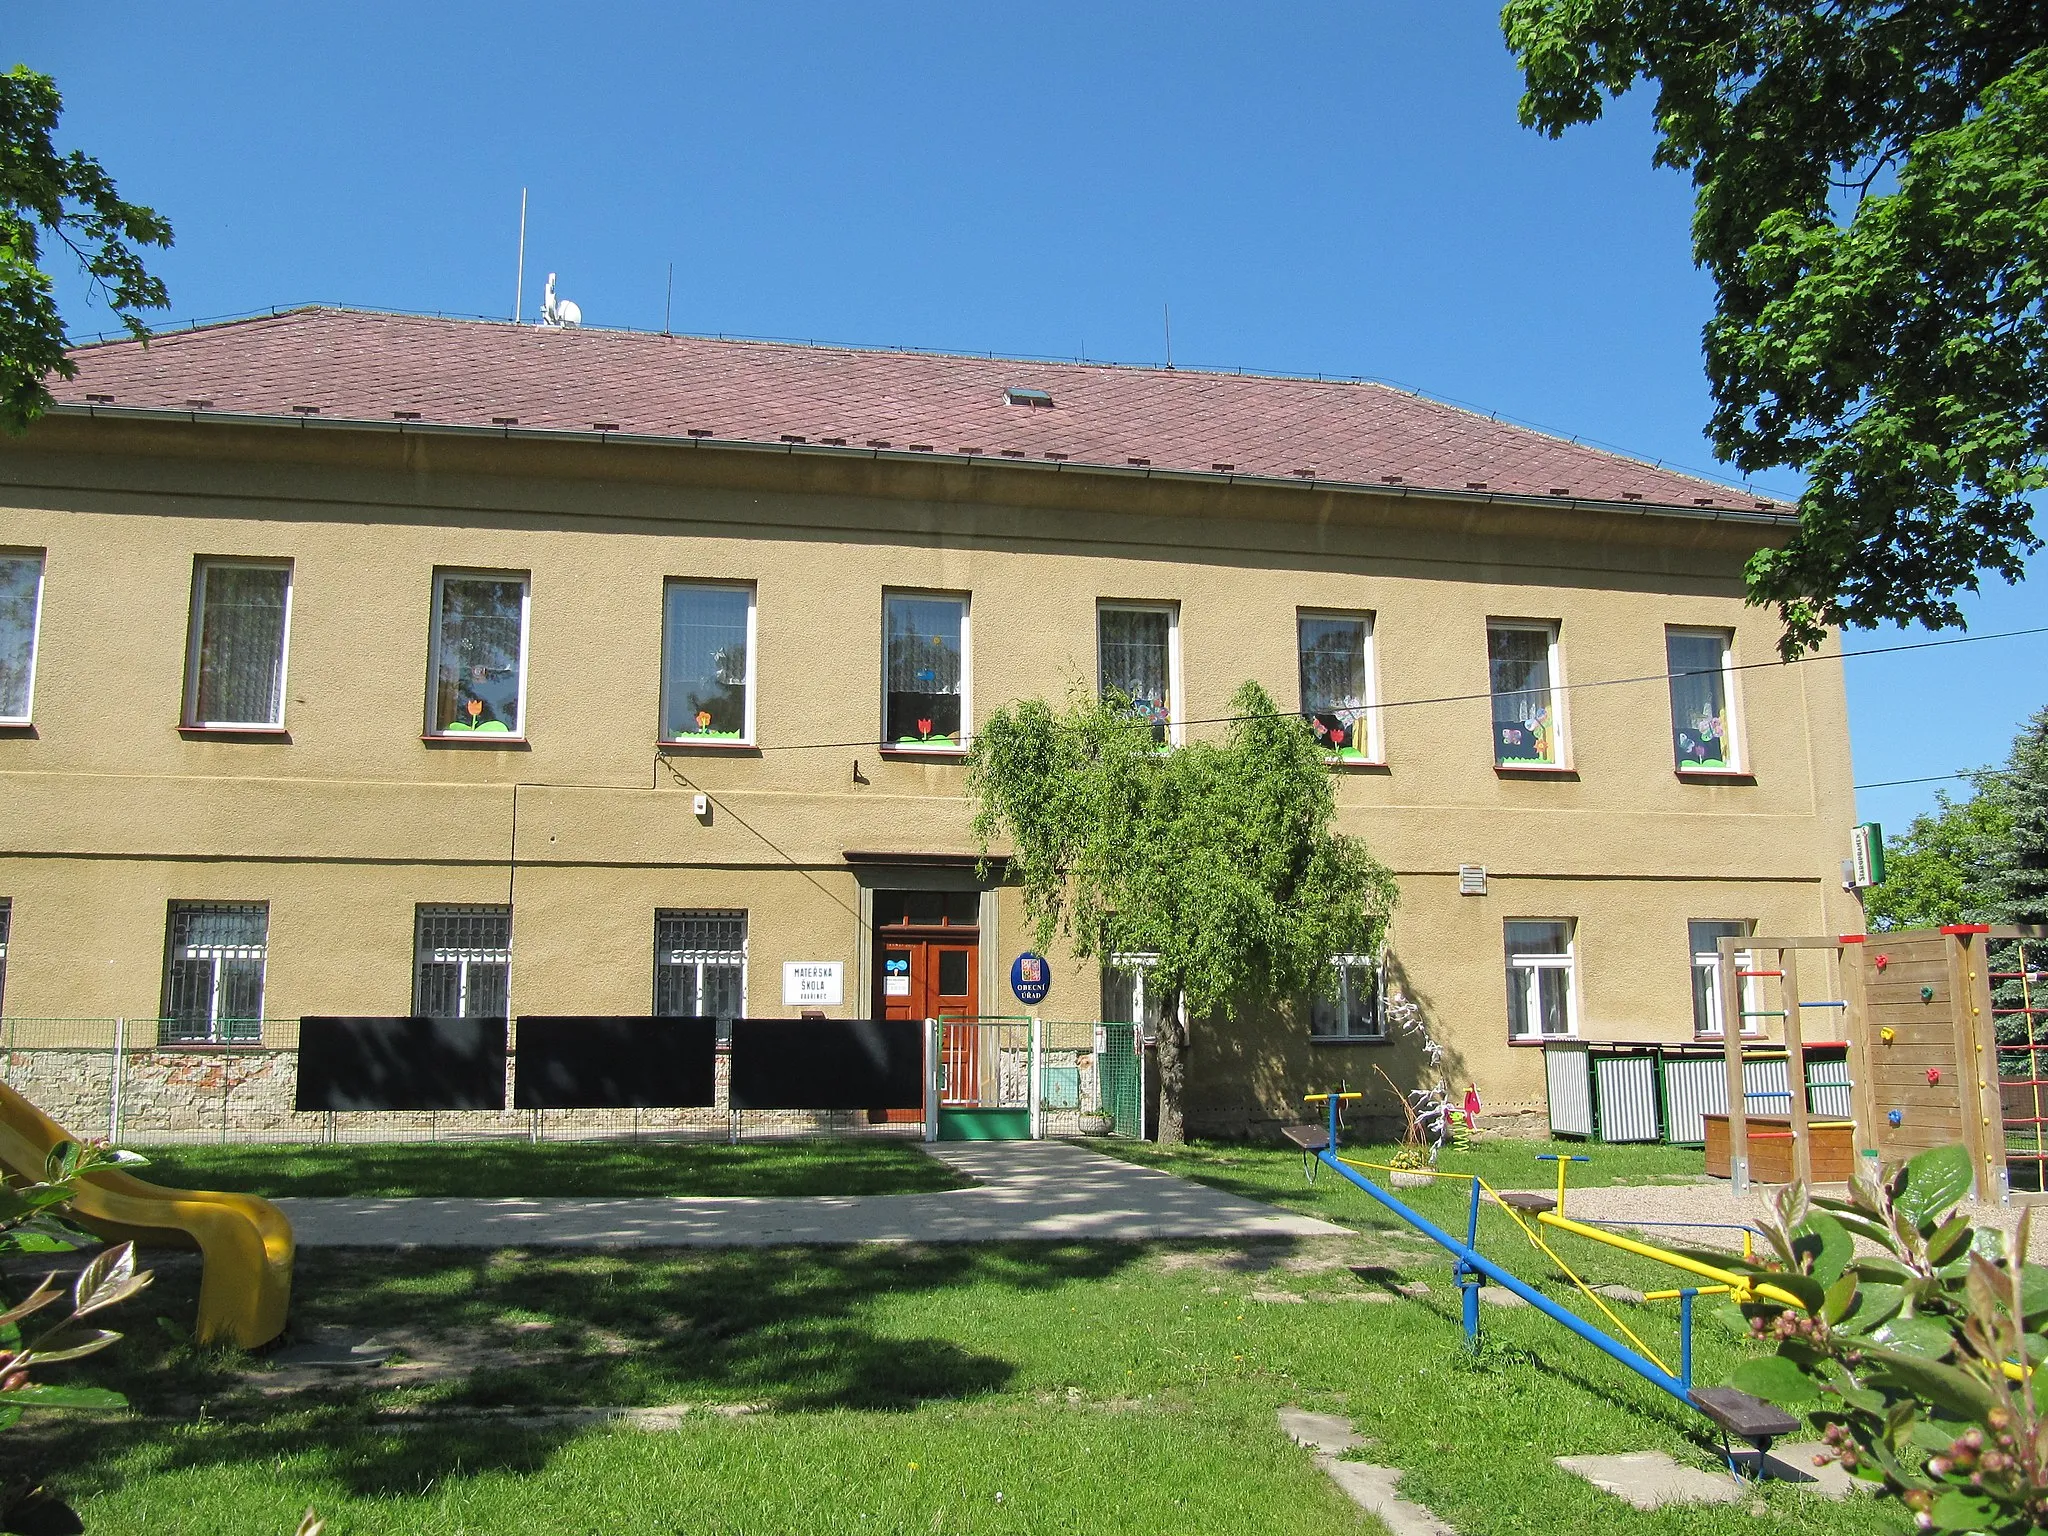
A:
(827, 1064)
(414, 1063)
(614, 1062)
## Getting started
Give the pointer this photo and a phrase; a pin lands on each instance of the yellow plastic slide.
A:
(245, 1287)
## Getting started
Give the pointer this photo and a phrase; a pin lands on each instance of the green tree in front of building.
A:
(68, 199)
(2019, 870)
(1871, 202)
(1940, 869)
(1216, 863)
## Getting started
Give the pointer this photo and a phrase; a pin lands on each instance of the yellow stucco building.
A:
(366, 664)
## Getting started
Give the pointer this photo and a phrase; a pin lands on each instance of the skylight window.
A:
(1037, 398)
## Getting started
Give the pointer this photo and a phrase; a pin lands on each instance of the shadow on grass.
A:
(541, 1331)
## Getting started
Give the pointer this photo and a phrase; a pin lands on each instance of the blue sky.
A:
(1335, 188)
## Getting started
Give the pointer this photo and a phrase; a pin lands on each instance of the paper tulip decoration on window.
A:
(703, 719)
(476, 707)
(924, 729)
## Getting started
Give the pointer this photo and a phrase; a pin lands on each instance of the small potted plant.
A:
(1097, 1121)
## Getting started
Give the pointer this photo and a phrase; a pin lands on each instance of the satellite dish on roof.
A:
(557, 313)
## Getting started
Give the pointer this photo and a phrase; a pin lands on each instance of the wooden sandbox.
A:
(1770, 1149)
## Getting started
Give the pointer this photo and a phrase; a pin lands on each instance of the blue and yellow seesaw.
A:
(1736, 1414)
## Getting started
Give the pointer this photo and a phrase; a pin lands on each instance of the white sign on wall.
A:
(813, 983)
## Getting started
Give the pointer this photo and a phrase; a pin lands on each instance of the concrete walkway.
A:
(1026, 1191)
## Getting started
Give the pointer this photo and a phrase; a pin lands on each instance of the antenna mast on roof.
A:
(1167, 310)
(519, 284)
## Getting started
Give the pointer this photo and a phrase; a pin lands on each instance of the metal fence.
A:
(117, 1078)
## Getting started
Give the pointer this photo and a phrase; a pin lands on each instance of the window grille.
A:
(1541, 1001)
(700, 964)
(1352, 1011)
(213, 973)
(236, 669)
(463, 964)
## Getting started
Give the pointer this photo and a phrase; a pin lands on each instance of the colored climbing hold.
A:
(1933, 1076)
(1896, 1117)
(1883, 961)
(1927, 994)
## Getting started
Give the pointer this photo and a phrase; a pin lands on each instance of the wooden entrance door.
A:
(928, 966)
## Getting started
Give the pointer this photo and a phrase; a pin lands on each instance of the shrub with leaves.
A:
(31, 1222)
(1911, 1358)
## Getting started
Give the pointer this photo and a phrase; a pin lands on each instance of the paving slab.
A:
(1500, 1296)
(1376, 1490)
(1025, 1191)
(1793, 1463)
(1652, 1479)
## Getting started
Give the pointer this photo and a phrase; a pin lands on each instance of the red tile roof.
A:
(369, 366)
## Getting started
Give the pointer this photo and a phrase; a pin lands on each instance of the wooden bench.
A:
(1741, 1416)
(1528, 1200)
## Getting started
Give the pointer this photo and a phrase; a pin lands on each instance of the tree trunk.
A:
(1173, 1074)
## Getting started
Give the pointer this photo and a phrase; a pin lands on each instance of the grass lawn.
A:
(1099, 1388)
(483, 1169)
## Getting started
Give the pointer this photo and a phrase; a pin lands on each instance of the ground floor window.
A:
(1129, 996)
(700, 964)
(213, 972)
(1353, 1011)
(6, 918)
(1704, 936)
(463, 962)
(1541, 1001)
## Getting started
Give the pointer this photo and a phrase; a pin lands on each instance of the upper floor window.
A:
(1139, 657)
(924, 672)
(1541, 994)
(1352, 1011)
(1528, 722)
(707, 664)
(462, 962)
(213, 971)
(1704, 937)
(700, 965)
(1336, 684)
(479, 680)
(234, 670)
(1701, 663)
(21, 611)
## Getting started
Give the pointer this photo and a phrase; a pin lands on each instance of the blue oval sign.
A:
(1030, 977)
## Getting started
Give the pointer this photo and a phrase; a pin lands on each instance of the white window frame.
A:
(35, 629)
(1530, 965)
(918, 594)
(442, 577)
(1374, 752)
(1750, 994)
(753, 664)
(1732, 739)
(1345, 965)
(700, 957)
(1560, 728)
(196, 634)
(1176, 685)
(1139, 967)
